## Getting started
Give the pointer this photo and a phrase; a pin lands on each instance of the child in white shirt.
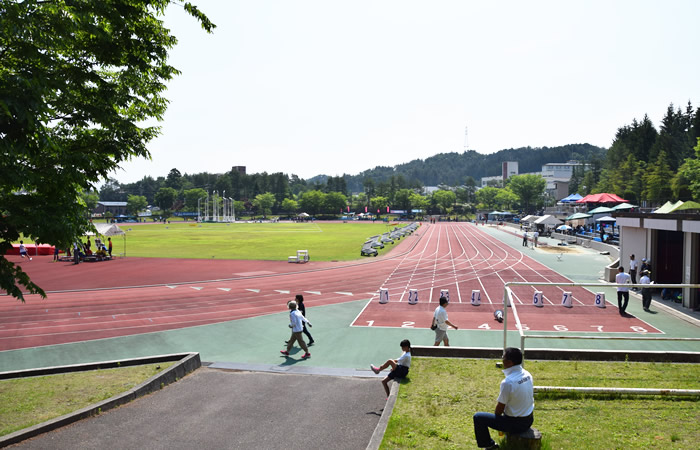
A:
(399, 367)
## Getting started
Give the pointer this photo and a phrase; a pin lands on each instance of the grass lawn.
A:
(435, 405)
(261, 241)
(29, 401)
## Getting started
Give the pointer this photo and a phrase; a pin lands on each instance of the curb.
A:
(380, 429)
(187, 362)
(560, 354)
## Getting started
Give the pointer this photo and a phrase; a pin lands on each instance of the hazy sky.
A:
(333, 87)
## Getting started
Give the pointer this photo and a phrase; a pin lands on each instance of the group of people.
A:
(81, 250)
(535, 236)
(623, 278)
(515, 403)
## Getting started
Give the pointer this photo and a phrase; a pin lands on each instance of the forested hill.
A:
(453, 168)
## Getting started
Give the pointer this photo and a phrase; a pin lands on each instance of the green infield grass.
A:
(29, 401)
(436, 402)
(261, 241)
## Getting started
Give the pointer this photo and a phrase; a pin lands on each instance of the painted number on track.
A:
(407, 324)
(639, 329)
(561, 328)
(484, 326)
(370, 323)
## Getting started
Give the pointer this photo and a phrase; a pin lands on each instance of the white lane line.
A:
(281, 291)
(257, 291)
(312, 292)
(224, 289)
(343, 293)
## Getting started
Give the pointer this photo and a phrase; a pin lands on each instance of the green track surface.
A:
(259, 339)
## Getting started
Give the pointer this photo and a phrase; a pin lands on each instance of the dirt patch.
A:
(560, 249)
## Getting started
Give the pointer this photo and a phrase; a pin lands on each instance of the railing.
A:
(508, 300)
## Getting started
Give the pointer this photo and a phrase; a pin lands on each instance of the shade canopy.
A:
(529, 218)
(623, 206)
(606, 219)
(564, 228)
(548, 220)
(668, 207)
(106, 229)
(689, 205)
(601, 210)
(601, 198)
(571, 198)
(579, 215)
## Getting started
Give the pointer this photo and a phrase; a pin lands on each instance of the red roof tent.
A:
(601, 198)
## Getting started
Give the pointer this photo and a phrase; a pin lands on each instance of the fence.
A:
(508, 300)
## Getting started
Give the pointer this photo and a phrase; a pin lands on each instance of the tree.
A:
(402, 200)
(528, 187)
(444, 199)
(379, 203)
(419, 202)
(264, 203)
(192, 197)
(311, 202)
(289, 205)
(90, 198)
(334, 202)
(136, 204)
(688, 176)
(165, 197)
(487, 196)
(506, 198)
(77, 82)
(657, 180)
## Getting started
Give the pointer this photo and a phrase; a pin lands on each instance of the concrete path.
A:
(221, 409)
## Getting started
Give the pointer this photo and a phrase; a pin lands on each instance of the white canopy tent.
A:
(108, 230)
(548, 220)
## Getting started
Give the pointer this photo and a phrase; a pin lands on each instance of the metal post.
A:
(505, 317)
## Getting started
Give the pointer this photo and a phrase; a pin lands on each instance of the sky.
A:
(332, 87)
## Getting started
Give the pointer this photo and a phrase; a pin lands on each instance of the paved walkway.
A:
(217, 409)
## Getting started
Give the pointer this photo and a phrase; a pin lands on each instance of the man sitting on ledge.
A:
(515, 402)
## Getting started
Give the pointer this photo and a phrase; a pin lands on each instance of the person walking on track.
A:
(300, 305)
(623, 292)
(441, 322)
(296, 319)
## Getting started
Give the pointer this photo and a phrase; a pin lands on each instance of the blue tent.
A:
(571, 198)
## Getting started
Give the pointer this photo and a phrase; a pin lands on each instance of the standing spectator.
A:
(302, 308)
(525, 239)
(88, 247)
(623, 293)
(55, 253)
(515, 404)
(535, 235)
(296, 319)
(399, 367)
(646, 292)
(646, 265)
(440, 319)
(23, 251)
(633, 271)
(109, 246)
(76, 252)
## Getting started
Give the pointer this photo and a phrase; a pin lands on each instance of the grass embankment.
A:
(259, 241)
(29, 401)
(435, 406)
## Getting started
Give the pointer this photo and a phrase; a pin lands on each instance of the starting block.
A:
(383, 295)
(412, 296)
(476, 297)
(566, 300)
(445, 293)
(538, 299)
(600, 299)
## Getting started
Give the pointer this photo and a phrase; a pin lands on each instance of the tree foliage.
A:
(78, 80)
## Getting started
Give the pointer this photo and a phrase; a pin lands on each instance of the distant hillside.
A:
(454, 168)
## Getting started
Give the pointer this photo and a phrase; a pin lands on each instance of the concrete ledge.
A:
(378, 435)
(187, 362)
(560, 354)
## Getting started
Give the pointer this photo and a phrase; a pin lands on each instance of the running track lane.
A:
(464, 258)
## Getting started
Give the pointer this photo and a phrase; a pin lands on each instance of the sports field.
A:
(251, 241)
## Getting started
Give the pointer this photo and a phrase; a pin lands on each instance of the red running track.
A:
(141, 295)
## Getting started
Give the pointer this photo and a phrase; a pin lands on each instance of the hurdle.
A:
(508, 300)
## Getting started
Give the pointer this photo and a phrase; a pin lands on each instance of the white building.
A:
(560, 171)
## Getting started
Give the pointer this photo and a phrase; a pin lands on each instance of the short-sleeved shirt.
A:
(633, 264)
(623, 278)
(22, 249)
(441, 318)
(404, 359)
(517, 392)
